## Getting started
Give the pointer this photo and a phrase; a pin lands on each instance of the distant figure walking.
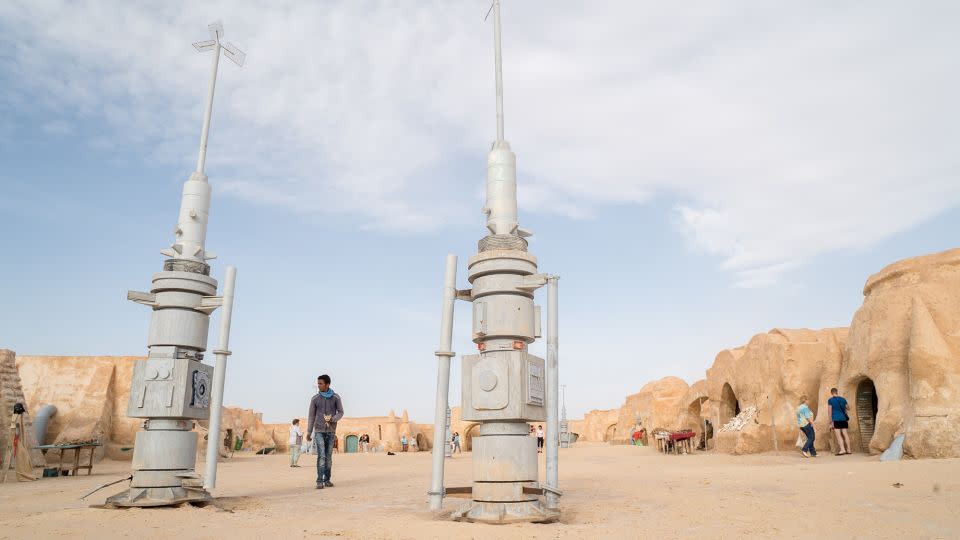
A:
(296, 440)
(805, 421)
(364, 443)
(539, 439)
(403, 442)
(456, 443)
(840, 419)
(326, 410)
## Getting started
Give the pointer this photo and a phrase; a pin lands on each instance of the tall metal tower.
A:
(173, 388)
(504, 386)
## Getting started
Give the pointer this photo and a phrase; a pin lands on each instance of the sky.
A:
(695, 172)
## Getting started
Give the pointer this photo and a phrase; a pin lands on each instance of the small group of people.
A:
(840, 423)
(326, 409)
(409, 444)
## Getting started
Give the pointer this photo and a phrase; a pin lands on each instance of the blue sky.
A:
(695, 176)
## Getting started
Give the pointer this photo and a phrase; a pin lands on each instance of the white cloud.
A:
(786, 131)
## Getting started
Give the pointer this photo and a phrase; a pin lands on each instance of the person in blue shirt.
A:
(805, 421)
(840, 419)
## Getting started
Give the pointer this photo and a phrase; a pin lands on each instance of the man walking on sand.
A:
(325, 411)
(805, 421)
(840, 419)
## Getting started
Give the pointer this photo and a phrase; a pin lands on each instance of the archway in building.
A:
(351, 443)
(866, 412)
(610, 433)
(729, 405)
(467, 437)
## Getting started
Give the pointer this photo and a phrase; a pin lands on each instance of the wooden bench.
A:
(75, 467)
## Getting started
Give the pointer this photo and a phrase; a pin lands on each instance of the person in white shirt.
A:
(296, 439)
(539, 439)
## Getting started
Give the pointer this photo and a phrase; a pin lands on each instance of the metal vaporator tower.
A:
(503, 386)
(173, 388)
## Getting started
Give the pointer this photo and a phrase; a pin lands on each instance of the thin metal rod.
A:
(443, 382)
(204, 134)
(552, 393)
(219, 376)
(499, 67)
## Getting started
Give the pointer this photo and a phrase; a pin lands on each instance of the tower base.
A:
(506, 512)
(158, 496)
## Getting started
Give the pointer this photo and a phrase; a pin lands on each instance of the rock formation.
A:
(898, 365)
(770, 373)
(655, 406)
(902, 374)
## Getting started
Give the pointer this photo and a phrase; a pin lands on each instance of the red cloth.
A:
(682, 436)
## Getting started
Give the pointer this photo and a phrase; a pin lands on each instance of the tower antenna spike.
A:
(215, 44)
(498, 67)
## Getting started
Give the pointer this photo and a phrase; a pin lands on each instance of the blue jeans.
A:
(811, 435)
(324, 445)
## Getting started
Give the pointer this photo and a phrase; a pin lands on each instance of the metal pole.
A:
(499, 67)
(219, 376)
(443, 381)
(552, 393)
(208, 111)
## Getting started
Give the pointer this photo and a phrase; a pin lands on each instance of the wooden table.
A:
(682, 440)
(77, 449)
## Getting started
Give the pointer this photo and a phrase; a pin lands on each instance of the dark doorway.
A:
(729, 405)
(610, 433)
(866, 412)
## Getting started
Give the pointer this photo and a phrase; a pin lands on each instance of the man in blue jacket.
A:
(325, 411)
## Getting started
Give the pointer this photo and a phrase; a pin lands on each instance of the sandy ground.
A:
(611, 492)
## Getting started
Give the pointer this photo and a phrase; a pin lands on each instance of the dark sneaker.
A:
(319, 486)
(328, 483)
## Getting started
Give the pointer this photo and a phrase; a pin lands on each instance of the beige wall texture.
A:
(91, 393)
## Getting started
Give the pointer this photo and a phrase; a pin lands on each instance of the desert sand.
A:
(612, 492)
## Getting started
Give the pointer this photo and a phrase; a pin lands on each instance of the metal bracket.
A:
(209, 303)
(533, 282)
(450, 354)
(145, 298)
(553, 490)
